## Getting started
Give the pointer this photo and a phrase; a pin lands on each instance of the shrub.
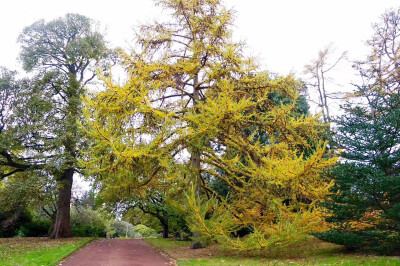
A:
(37, 227)
(144, 231)
(374, 241)
(11, 221)
(87, 222)
(122, 229)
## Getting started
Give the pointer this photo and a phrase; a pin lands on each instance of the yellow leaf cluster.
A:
(193, 111)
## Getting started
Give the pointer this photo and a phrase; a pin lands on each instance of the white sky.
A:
(286, 34)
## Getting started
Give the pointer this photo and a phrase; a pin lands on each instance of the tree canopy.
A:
(182, 115)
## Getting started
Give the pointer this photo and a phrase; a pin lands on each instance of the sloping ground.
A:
(311, 251)
(117, 252)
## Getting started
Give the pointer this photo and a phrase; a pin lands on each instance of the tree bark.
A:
(53, 223)
(196, 244)
(195, 160)
(62, 227)
(165, 231)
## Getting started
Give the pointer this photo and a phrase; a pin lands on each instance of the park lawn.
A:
(38, 250)
(167, 243)
(311, 251)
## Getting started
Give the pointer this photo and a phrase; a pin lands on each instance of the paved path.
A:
(117, 252)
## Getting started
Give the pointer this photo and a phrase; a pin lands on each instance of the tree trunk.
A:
(196, 241)
(53, 223)
(165, 230)
(62, 227)
(195, 160)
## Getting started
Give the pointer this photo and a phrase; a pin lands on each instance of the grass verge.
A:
(38, 250)
(311, 251)
(167, 243)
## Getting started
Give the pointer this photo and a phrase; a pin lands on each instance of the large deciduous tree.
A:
(62, 54)
(365, 206)
(193, 109)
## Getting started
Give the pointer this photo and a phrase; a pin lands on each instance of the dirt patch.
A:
(36, 242)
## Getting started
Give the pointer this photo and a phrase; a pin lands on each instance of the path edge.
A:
(76, 250)
(163, 253)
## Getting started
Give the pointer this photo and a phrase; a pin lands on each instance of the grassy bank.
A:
(37, 250)
(308, 252)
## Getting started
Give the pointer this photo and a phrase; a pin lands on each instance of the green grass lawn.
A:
(38, 250)
(311, 251)
(166, 244)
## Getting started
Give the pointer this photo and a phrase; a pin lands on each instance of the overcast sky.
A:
(286, 34)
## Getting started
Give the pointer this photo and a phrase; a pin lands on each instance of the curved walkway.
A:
(117, 252)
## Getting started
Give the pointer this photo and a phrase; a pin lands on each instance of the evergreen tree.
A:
(365, 205)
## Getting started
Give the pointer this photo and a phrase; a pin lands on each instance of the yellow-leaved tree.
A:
(195, 110)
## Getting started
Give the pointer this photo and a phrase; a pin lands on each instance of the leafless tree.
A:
(318, 70)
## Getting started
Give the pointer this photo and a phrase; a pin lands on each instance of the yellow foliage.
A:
(195, 110)
(368, 220)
